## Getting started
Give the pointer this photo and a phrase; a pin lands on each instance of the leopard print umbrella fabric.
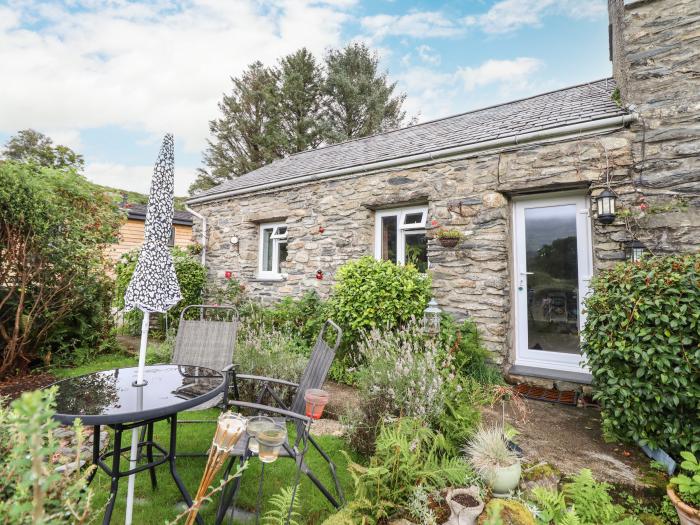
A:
(154, 286)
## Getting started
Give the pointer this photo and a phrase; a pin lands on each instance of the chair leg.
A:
(306, 470)
(331, 466)
(149, 455)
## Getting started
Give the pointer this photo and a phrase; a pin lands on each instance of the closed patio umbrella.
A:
(154, 286)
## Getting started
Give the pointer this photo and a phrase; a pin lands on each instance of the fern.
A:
(280, 503)
(551, 504)
(591, 499)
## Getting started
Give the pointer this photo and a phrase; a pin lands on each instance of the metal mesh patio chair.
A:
(207, 342)
(314, 376)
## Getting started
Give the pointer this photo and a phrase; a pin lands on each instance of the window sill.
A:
(269, 278)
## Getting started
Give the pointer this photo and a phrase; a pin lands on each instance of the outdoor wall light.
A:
(606, 206)
(431, 318)
(635, 250)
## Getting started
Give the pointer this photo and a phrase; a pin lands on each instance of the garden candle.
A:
(228, 431)
(316, 401)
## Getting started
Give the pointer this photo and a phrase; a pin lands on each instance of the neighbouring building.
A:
(131, 232)
(520, 180)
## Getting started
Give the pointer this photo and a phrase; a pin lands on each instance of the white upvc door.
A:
(552, 271)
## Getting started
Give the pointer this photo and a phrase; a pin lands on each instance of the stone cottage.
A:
(519, 180)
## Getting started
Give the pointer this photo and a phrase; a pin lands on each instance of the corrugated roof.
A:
(563, 107)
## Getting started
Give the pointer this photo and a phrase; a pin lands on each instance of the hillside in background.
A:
(137, 198)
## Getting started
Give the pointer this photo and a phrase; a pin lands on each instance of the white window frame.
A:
(277, 239)
(402, 230)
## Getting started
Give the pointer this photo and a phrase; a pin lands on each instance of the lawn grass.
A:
(163, 504)
(102, 362)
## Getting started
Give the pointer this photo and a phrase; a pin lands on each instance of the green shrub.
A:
(408, 453)
(54, 288)
(191, 276)
(31, 491)
(371, 293)
(642, 342)
(304, 316)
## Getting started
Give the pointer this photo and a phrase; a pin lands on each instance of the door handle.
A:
(522, 279)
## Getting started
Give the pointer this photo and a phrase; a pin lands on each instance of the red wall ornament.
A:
(321, 229)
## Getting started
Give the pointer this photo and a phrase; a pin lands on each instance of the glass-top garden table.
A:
(110, 399)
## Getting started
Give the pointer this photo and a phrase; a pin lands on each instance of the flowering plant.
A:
(403, 370)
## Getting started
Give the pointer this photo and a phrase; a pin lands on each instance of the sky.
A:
(110, 77)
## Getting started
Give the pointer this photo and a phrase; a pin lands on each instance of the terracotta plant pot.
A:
(686, 514)
(448, 242)
(505, 479)
(461, 514)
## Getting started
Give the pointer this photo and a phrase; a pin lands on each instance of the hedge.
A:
(642, 343)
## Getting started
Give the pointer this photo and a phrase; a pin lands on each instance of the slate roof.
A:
(138, 212)
(572, 105)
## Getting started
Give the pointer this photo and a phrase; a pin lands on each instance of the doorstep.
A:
(548, 378)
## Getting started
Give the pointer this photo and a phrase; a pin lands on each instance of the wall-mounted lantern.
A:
(635, 250)
(606, 206)
(431, 318)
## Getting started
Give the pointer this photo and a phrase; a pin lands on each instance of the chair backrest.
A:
(203, 342)
(318, 366)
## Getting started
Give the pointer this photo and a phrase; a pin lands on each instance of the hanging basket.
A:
(448, 242)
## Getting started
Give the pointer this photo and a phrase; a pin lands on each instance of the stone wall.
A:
(656, 60)
(471, 194)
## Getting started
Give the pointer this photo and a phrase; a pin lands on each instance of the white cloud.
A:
(151, 67)
(509, 15)
(428, 55)
(135, 178)
(434, 94)
(502, 17)
(507, 72)
(417, 24)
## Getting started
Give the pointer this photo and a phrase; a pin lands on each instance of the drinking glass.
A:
(255, 425)
(269, 442)
(316, 401)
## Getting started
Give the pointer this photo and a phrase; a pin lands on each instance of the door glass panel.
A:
(552, 286)
(267, 250)
(389, 228)
(417, 251)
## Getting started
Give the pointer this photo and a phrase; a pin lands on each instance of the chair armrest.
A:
(267, 380)
(229, 368)
(274, 410)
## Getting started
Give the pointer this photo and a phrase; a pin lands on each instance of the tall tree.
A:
(301, 97)
(360, 99)
(273, 112)
(31, 146)
(249, 133)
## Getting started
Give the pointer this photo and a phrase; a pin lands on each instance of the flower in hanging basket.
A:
(448, 238)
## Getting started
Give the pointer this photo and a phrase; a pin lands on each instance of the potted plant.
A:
(448, 238)
(465, 506)
(684, 490)
(492, 458)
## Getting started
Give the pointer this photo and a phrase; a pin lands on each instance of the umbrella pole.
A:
(135, 432)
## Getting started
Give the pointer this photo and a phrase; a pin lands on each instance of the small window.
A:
(400, 236)
(273, 250)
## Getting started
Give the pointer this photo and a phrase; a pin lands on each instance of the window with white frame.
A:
(400, 236)
(273, 250)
